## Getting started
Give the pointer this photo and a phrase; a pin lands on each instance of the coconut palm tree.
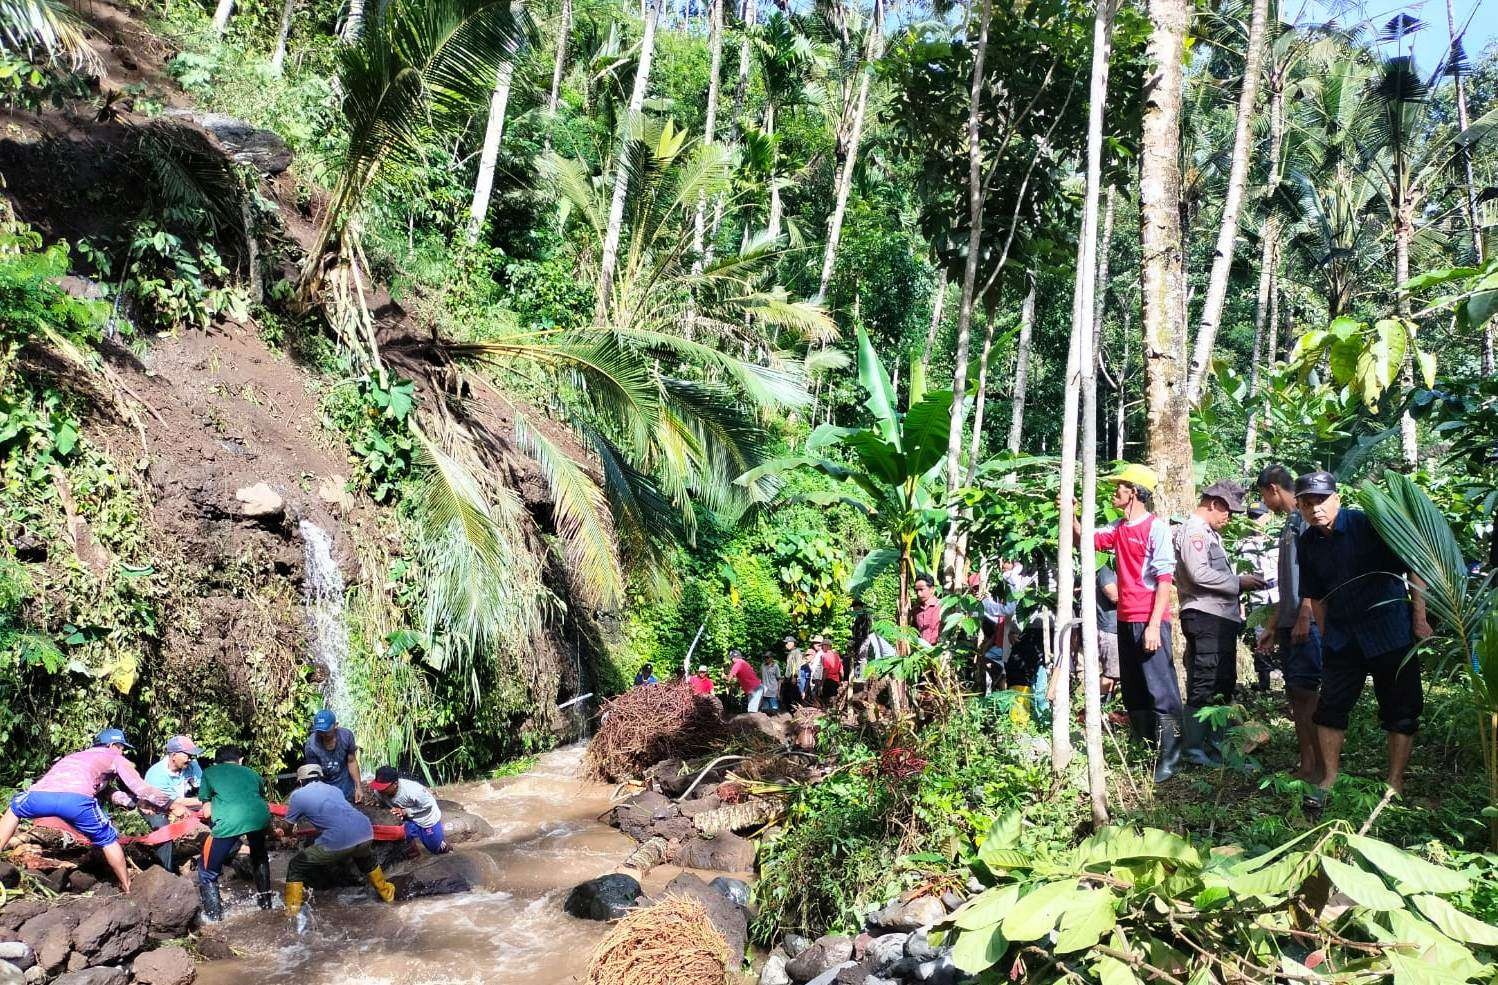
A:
(786, 59)
(47, 28)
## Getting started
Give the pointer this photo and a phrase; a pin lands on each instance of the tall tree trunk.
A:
(772, 224)
(710, 125)
(1120, 428)
(1227, 232)
(1082, 361)
(221, 15)
(977, 439)
(283, 37)
(558, 68)
(1273, 347)
(614, 230)
(1022, 364)
(353, 26)
(938, 304)
(1404, 231)
(848, 153)
(1464, 121)
(1163, 273)
(494, 132)
(748, 14)
(969, 274)
(1268, 263)
(1105, 248)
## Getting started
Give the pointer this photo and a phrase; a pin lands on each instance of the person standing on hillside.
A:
(701, 682)
(830, 663)
(1295, 632)
(344, 834)
(770, 676)
(1211, 615)
(69, 791)
(1107, 630)
(1145, 562)
(177, 774)
(333, 747)
(747, 680)
(1368, 617)
(925, 613)
(234, 804)
(415, 807)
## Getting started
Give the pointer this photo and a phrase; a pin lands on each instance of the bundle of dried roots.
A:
(671, 943)
(645, 725)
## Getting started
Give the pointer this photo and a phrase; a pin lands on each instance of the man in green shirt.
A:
(233, 798)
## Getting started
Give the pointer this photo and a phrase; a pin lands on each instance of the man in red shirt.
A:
(926, 612)
(701, 683)
(832, 669)
(748, 680)
(1145, 562)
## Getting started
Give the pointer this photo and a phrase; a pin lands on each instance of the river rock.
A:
(918, 946)
(170, 965)
(50, 934)
(445, 875)
(214, 947)
(773, 972)
(100, 975)
(827, 952)
(114, 931)
(700, 805)
(845, 973)
(722, 852)
(10, 876)
(245, 143)
(885, 950)
(923, 911)
(460, 824)
(794, 944)
(730, 919)
(605, 898)
(637, 814)
(17, 912)
(736, 890)
(170, 901)
(758, 725)
(940, 971)
(11, 975)
(670, 777)
(17, 953)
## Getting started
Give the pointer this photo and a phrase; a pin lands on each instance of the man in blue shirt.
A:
(334, 748)
(177, 774)
(1368, 618)
(344, 834)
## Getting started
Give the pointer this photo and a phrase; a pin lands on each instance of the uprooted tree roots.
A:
(645, 725)
(671, 943)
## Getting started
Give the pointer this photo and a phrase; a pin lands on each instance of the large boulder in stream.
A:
(445, 875)
(170, 901)
(461, 824)
(113, 930)
(722, 852)
(169, 965)
(730, 919)
(605, 898)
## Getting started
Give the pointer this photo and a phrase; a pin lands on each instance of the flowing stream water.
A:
(322, 591)
(547, 839)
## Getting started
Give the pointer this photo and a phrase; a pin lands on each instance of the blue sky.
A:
(1479, 16)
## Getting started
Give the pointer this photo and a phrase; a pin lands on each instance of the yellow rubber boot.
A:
(381, 884)
(295, 893)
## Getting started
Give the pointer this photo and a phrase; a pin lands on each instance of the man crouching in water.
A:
(343, 834)
(69, 791)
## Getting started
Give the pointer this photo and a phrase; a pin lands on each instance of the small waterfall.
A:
(322, 592)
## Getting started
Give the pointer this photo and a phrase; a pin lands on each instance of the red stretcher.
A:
(192, 824)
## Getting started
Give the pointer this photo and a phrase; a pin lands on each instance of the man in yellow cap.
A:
(1145, 562)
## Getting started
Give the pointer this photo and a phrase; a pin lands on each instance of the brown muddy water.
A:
(547, 839)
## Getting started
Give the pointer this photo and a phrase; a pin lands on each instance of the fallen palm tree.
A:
(645, 725)
(671, 943)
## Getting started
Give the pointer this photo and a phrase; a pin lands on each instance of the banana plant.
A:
(890, 471)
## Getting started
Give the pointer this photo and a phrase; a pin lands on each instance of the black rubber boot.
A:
(1144, 726)
(1168, 758)
(1197, 748)
(262, 886)
(211, 902)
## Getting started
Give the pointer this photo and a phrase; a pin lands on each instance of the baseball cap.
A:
(702, 668)
(309, 771)
(1229, 492)
(183, 743)
(1135, 475)
(789, 639)
(819, 638)
(112, 737)
(323, 721)
(1316, 484)
(385, 777)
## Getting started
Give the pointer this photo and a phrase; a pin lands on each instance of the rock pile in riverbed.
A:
(103, 938)
(894, 949)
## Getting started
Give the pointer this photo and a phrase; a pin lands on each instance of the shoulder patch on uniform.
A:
(1198, 544)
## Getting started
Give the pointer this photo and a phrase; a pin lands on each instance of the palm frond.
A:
(765, 386)
(49, 27)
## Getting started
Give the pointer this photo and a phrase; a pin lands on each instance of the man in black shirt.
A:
(1368, 617)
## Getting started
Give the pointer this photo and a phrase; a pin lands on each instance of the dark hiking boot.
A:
(1198, 748)
(263, 894)
(211, 902)
(1168, 757)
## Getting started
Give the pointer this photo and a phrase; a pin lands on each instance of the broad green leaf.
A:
(1089, 914)
(1439, 276)
(1279, 879)
(879, 458)
(1344, 357)
(1411, 970)
(1363, 886)
(1425, 362)
(1111, 971)
(1433, 949)
(1456, 924)
(1004, 833)
(925, 431)
(1034, 915)
(977, 950)
(1117, 843)
(1410, 874)
(881, 393)
(987, 908)
(874, 563)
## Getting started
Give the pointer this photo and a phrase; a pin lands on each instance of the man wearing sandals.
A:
(1369, 618)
